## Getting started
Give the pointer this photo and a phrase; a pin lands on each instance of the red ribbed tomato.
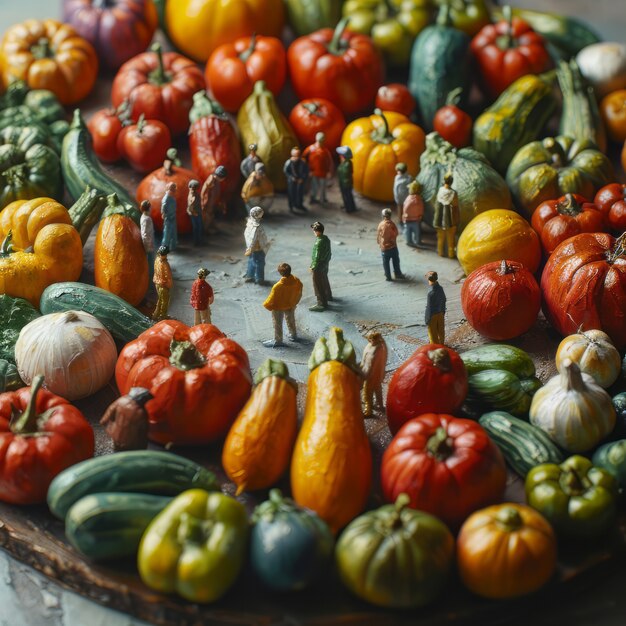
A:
(432, 380)
(501, 300)
(395, 97)
(584, 286)
(611, 200)
(448, 467)
(557, 220)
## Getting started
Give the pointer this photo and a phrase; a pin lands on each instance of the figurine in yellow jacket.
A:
(282, 302)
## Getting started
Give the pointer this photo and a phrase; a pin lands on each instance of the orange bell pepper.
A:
(378, 143)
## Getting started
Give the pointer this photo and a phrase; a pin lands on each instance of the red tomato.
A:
(501, 300)
(432, 380)
(105, 127)
(452, 123)
(233, 68)
(144, 144)
(611, 200)
(557, 220)
(395, 97)
(448, 467)
(316, 115)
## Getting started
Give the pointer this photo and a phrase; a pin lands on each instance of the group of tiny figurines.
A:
(314, 164)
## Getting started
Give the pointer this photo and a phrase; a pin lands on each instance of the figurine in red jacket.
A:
(201, 298)
(320, 161)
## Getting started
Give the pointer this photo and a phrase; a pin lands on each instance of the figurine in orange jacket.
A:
(201, 298)
(163, 282)
(373, 365)
(320, 162)
(282, 302)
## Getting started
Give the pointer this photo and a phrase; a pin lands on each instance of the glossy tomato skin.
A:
(315, 115)
(144, 145)
(584, 287)
(104, 128)
(233, 68)
(395, 97)
(611, 200)
(432, 380)
(501, 300)
(454, 125)
(448, 466)
(557, 220)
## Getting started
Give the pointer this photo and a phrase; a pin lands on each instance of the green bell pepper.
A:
(392, 24)
(577, 498)
(307, 16)
(467, 15)
(195, 546)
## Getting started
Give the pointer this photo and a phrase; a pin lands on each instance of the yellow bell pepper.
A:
(39, 247)
(378, 143)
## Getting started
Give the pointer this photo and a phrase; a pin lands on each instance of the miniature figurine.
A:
(320, 162)
(210, 198)
(282, 302)
(257, 246)
(126, 420)
(163, 282)
(171, 159)
(248, 164)
(446, 218)
(319, 268)
(201, 298)
(400, 187)
(345, 177)
(435, 310)
(373, 366)
(194, 210)
(168, 212)
(146, 226)
(296, 170)
(386, 237)
(412, 215)
(258, 189)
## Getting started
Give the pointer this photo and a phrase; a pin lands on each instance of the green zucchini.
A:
(498, 356)
(523, 445)
(104, 526)
(121, 319)
(81, 168)
(139, 471)
(580, 117)
(499, 390)
(514, 119)
(86, 212)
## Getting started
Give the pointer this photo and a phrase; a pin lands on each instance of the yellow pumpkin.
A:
(495, 235)
(42, 248)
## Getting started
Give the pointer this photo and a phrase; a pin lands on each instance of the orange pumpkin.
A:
(259, 444)
(47, 54)
(331, 468)
(120, 262)
(506, 550)
(495, 235)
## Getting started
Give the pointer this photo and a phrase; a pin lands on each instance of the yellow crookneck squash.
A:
(331, 468)
(39, 247)
(258, 447)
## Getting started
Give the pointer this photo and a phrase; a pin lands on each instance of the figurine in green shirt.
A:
(344, 174)
(319, 268)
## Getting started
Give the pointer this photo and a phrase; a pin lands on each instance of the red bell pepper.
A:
(213, 141)
(199, 378)
(161, 86)
(343, 67)
(507, 51)
(41, 434)
(233, 68)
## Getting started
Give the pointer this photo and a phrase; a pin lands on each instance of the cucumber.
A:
(499, 357)
(121, 319)
(139, 471)
(523, 445)
(104, 526)
(86, 212)
(81, 168)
